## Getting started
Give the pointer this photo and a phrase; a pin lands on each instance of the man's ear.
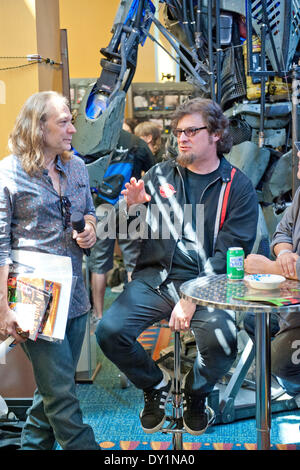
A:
(216, 137)
(42, 128)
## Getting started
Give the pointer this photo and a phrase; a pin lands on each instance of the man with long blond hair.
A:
(41, 183)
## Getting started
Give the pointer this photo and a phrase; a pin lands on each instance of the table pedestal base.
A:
(263, 378)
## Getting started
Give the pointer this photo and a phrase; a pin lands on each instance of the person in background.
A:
(151, 134)
(130, 150)
(41, 183)
(285, 328)
(129, 125)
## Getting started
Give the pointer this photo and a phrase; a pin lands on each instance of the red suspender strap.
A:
(225, 200)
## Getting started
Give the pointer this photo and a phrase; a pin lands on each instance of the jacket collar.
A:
(224, 168)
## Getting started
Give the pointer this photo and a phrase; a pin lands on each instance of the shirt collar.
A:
(60, 165)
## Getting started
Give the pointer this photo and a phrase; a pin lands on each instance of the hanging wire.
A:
(33, 60)
(18, 66)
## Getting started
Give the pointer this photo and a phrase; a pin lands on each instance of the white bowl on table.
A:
(264, 281)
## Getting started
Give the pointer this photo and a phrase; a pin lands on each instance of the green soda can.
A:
(235, 263)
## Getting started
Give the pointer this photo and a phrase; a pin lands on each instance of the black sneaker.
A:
(153, 416)
(196, 415)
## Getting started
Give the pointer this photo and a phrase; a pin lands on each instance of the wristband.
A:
(283, 251)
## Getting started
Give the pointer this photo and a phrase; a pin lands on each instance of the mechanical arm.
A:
(243, 54)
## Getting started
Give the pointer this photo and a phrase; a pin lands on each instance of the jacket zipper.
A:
(205, 189)
(183, 185)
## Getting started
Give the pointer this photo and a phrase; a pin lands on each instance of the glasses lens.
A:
(190, 131)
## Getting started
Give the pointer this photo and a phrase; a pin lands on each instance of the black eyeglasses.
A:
(189, 131)
(65, 205)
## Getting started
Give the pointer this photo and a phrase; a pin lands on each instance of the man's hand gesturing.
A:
(135, 192)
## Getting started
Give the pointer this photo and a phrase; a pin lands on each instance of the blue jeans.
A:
(55, 413)
(137, 308)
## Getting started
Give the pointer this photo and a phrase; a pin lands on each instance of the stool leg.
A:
(177, 398)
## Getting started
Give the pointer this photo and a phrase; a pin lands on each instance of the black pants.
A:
(140, 306)
(285, 353)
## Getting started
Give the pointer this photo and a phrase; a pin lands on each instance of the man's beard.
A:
(185, 159)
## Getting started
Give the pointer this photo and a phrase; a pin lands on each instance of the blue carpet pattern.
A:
(113, 413)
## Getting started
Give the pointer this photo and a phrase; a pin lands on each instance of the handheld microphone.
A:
(78, 224)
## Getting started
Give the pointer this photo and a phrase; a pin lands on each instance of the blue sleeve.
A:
(89, 203)
(5, 224)
(90, 208)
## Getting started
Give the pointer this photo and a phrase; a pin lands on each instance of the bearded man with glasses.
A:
(41, 183)
(183, 196)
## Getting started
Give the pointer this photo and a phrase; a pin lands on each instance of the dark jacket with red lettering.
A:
(165, 184)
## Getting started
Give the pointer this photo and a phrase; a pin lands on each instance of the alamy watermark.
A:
(158, 221)
(296, 354)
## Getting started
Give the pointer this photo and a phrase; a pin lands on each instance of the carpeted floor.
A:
(113, 412)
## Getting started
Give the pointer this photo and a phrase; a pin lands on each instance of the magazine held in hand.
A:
(40, 287)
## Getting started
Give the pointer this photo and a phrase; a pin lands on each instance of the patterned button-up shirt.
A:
(31, 217)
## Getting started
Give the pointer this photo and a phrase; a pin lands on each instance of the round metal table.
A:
(218, 292)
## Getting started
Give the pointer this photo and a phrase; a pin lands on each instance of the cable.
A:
(33, 58)
(18, 66)
(13, 57)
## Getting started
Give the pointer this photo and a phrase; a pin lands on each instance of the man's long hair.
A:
(213, 117)
(26, 139)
